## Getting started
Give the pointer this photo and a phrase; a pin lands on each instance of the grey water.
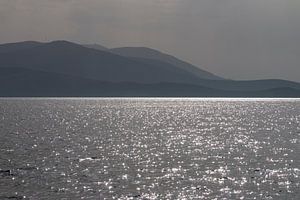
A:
(131, 148)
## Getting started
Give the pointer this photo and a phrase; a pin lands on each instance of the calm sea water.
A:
(149, 149)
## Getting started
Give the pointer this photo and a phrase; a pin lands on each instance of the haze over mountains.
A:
(62, 68)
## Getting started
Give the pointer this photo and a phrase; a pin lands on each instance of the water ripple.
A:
(149, 149)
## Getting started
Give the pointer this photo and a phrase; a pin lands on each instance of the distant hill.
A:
(143, 52)
(19, 82)
(249, 85)
(73, 59)
(206, 79)
(155, 55)
(62, 68)
(152, 54)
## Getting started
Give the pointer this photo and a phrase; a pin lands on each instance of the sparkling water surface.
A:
(149, 148)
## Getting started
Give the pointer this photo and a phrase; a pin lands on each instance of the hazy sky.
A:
(239, 39)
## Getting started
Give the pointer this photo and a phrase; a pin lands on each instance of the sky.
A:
(237, 39)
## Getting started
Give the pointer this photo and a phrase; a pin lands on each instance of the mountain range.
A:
(62, 68)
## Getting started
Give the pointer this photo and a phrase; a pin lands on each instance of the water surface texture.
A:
(149, 149)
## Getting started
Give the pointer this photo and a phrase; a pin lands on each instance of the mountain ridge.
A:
(64, 59)
(145, 52)
(71, 58)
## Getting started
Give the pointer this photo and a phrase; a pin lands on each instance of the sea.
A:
(149, 148)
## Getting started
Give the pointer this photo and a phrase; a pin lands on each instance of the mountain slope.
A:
(143, 52)
(69, 58)
(19, 82)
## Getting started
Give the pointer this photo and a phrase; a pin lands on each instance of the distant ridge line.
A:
(63, 68)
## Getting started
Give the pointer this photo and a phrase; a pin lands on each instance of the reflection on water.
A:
(149, 149)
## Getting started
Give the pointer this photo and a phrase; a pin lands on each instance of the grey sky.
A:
(239, 39)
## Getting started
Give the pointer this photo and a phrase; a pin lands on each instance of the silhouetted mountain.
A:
(63, 68)
(143, 52)
(73, 59)
(19, 82)
(156, 56)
